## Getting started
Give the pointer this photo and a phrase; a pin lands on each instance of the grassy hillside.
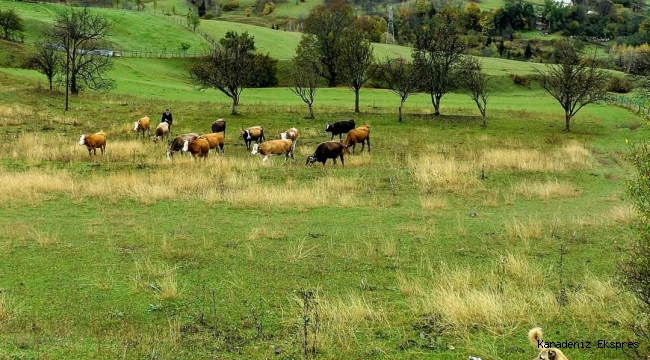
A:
(154, 33)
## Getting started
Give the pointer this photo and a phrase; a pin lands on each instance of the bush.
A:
(268, 8)
(522, 80)
(264, 73)
(621, 85)
(230, 6)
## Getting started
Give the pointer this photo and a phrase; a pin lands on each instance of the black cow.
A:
(327, 150)
(340, 127)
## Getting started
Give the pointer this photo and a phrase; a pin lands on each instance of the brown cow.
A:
(199, 147)
(274, 147)
(327, 150)
(216, 141)
(142, 125)
(358, 135)
(94, 141)
(219, 125)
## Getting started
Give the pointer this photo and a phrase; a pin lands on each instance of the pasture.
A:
(443, 242)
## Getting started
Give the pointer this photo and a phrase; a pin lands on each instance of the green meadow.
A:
(445, 240)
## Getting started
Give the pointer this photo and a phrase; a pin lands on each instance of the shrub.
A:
(248, 12)
(230, 6)
(621, 85)
(522, 80)
(268, 8)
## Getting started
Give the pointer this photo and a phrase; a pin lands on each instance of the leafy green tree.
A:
(439, 56)
(229, 67)
(634, 269)
(10, 22)
(357, 61)
(326, 23)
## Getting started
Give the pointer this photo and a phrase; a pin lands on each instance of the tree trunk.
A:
(435, 99)
(235, 105)
(356, 100)
(567, 119)
(311, 111)
(73, 85)
(399, 112)
(49, 78)
(484, 121)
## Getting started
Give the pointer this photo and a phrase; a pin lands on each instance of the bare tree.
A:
(229, 67)
(304, 81)
(45, 60)
(574, 82)
(439, 54)
(401, 80)
(476, 85)
(80, 34)
(357, 61)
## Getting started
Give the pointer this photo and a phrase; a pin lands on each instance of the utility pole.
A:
(390, 31)
(67, 66)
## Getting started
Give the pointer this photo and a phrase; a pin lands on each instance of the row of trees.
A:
(333, 51)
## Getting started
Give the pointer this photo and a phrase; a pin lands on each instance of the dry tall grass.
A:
(435, 172)
(156, 277)
(514, 294)
(517, 229)
(545, 189)
(571, 156)
(343, 315)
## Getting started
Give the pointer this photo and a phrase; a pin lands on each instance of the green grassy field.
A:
(131, 255)
(442, 242)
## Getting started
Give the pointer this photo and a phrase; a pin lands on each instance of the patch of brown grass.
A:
(517, 229)
(545, 189)
(571, 156)
(433, 202)
(435, 172)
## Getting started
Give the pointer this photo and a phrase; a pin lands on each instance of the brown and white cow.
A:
(178, 143)
(142, 125)
(162, 131)
(291, 134)
(254, 133)
(274, 147)
(94, 141)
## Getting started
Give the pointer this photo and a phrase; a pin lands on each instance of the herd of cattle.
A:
(200, 145)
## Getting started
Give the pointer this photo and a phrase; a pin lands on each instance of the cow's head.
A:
(247, 135)
(186, 146)
(327, 127)
(311, 160)
(169, 154)
(283, 135)
(255, 149)
(135, 126)
(82, 140)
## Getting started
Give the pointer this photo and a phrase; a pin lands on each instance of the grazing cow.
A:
(255, 133)
(274, 147)
(199, 147)
(219, 125)
(291, 134)
(327, 150)
(356, 136)
(546, 352)
(216, 141)
(94, 141)
(178, 142)
(162, 131)
(340, 127)
(142, 125)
